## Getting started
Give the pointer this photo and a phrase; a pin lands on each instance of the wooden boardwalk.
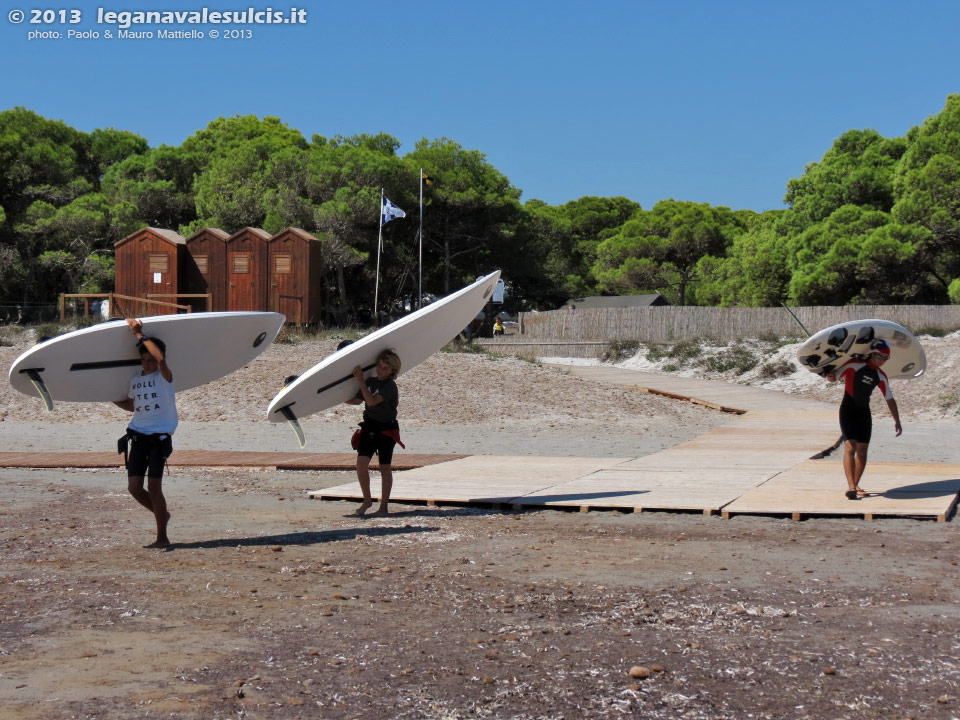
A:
(219, 458)
(757, 463)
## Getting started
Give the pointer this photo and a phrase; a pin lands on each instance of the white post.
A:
(420, 262)
(376, 284)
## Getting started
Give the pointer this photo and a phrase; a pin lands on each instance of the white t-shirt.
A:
(154, 404)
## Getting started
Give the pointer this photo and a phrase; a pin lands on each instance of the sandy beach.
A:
(271, 605)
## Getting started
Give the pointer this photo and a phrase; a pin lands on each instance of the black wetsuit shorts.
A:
(373, 440)
(148, 454)
(856, 423)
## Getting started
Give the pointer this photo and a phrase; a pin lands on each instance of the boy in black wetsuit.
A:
(379, 431)
(856, 423)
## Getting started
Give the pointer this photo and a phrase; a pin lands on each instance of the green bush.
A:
(777, 368)
(656, 352)
(459, 345)
(45, 331)
(619, 350)
(685, 350)
(932, 331)
(736, 357)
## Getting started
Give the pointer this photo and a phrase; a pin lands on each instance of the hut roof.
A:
(298, 232)
(169, 235)
(216, 232)
(618, 301)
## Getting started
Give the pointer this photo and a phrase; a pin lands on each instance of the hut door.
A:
(243, 282)
(159, 283)
(285, 296)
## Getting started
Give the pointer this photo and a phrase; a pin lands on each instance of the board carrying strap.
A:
(151, 441)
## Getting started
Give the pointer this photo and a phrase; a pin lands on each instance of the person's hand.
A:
(358, 373)
(898, 428)
(136, 327)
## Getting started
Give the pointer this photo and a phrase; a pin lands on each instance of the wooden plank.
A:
(766, 500)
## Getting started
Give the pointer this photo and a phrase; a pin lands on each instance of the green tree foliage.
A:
(875, 220)
(234, 157)
(560, 247)
(470, 214)
(154, 189)
(928, 190)
(857, 170)
(50, 191)
(659, 249)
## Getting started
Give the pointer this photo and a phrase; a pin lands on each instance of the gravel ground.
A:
(271, 605)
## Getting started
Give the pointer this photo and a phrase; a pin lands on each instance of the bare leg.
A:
(159, 504)
(859, 465)
(135, 488)
(849, 463)
(386, 484)
(363, 477)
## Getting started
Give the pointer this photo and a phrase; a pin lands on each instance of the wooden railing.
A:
(113, 297)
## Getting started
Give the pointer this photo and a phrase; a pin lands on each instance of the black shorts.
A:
(856, 423)
(148, 455)
(372, 440)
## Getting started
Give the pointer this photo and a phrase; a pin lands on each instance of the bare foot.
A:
(160, 543)
(380, 513)
(364, 506)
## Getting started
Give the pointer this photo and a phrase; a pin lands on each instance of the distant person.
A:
(379, 431)
(497, 327)
(150, 432)
(856, 423)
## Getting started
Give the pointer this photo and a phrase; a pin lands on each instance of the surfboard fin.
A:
(294, 424)
(41, 387)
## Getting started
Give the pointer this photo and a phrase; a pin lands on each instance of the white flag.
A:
(389, 211)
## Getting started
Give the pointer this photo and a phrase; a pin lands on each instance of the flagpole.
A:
(420, 262)
(376, 284)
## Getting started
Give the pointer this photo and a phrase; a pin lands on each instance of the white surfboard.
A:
(414, 337)
(825, 351)
(95, 364)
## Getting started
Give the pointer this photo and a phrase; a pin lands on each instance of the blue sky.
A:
(717, 102)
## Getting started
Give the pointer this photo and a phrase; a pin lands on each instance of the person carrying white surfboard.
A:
(379, 431)
(860, 378)
(152, 401)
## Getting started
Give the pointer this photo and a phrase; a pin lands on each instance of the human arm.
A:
(368, 397)
(892, 404)
(124, 404)
(136, 327)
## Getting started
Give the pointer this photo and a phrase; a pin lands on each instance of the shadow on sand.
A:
(301, 539)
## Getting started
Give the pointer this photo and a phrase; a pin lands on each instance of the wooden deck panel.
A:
(219, 458)
(479, 478)
(802, 502)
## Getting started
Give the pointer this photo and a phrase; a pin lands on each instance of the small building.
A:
(148, 265)
(247, 255)
(296, 276)
(617, 301)
(204, 271)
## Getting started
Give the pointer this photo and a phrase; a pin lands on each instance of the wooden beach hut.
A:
(296, 276)
(205, 269)
(246, 273)
(148, 265)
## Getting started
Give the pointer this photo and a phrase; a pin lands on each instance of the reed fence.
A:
(672, 324)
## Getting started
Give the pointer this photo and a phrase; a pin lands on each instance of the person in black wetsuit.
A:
(856, 423)
(379, 432)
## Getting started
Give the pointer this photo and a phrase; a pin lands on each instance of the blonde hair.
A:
(391, 358)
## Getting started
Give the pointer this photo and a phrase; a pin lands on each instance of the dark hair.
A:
(156, 341)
